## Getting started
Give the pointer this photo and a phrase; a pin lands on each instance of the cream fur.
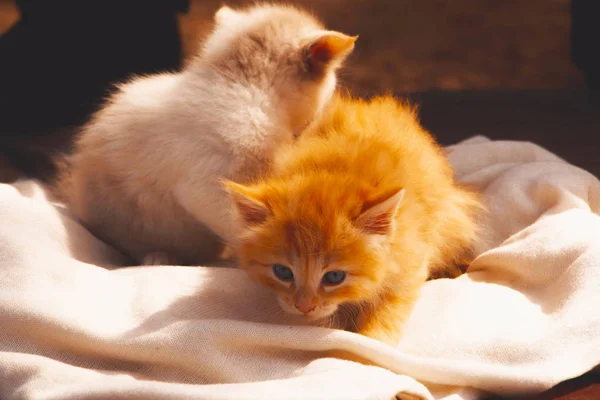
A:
(146, 171)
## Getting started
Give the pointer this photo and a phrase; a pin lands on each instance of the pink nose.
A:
(305, 305)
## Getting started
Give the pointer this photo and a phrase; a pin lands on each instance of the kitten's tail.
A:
(460, 220)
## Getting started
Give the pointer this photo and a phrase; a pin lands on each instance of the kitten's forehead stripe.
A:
(314, 269)
(305, 245)
(305, 238)
(311, 257)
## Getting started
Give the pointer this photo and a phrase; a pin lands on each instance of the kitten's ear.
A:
(226, 14)
(378, 217)
(329, 48)
(250, 208)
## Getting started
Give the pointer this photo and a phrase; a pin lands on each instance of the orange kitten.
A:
(355, 217)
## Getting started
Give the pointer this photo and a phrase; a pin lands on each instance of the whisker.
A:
(334, 323)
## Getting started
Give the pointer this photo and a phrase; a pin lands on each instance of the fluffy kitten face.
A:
(316, 250)
(282, 50)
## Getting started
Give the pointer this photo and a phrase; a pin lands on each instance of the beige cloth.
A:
(524, 318)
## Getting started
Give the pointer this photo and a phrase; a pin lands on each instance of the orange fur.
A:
(334, 202)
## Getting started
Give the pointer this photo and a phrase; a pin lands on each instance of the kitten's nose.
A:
(305, 305)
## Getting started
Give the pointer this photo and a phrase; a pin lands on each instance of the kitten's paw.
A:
(159, 258)
(384, 331)
(227, 254)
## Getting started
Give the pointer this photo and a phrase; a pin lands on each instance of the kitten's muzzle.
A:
(306, 304)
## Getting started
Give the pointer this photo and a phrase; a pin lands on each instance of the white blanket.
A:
(525, 317)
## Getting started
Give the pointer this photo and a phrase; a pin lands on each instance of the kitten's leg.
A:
(450, 272)
(159, 258)
(210, 204)
(384, 321)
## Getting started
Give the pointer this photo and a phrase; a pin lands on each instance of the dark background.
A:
(507, 69)
(498, 68)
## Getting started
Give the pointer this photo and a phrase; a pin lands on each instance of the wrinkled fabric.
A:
(524, 318)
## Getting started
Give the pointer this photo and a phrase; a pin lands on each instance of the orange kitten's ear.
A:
(328, 49)
(249, 207)
(378, 218)
(226, 14)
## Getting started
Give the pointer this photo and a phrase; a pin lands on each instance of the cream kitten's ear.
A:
(328, 48)
(251, 209)
(226, 14)
(378, 218)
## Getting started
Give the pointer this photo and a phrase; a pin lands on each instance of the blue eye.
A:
(334, 277)
(282, 272)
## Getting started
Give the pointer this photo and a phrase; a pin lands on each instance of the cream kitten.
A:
(145, 174)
